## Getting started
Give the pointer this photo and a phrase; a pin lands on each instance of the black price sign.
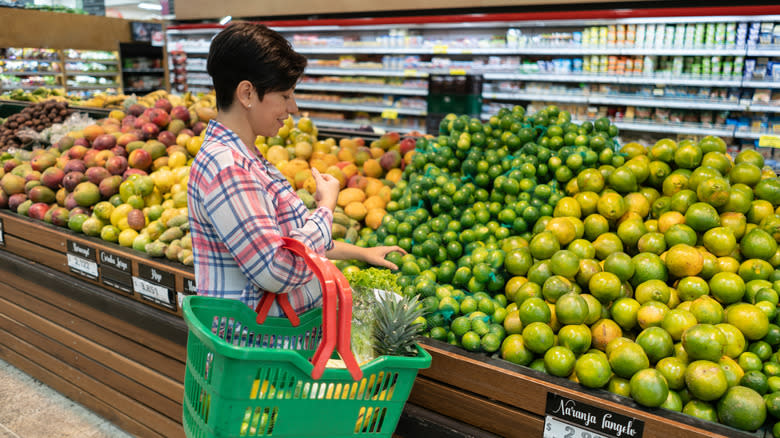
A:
(155, 285)
(189, 287)
(2, 236)
(82, 260)
(116, 271)
(573, 419)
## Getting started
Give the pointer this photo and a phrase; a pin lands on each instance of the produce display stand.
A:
(123, 355)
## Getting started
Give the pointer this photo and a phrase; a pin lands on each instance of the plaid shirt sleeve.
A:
(246, 222)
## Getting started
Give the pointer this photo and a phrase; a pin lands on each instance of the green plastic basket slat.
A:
(222, 368)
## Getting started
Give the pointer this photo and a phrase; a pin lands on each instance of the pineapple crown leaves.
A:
(395, 330)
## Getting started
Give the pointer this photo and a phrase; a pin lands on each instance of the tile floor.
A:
(30, 409)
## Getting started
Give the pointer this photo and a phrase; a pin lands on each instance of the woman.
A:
(240, 205)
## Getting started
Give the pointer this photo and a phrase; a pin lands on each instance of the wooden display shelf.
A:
(110, 266)
(504, 398)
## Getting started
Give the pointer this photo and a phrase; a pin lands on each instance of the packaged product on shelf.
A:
(679, 35)
(766, 34)
(715, 66)
(669, 37)
(640, 35)
(701, 32)
(709, 37)
(630, 34)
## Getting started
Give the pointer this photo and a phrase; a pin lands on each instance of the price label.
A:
(440, 49)
(769, 141)
(116, 271)
(567, 418)
(82, 260)
(82, 266)
(190, 288)
(180, 298)
(2, 236)
(457, 72)
(410, 72)
(390, 114)
(153, 292)
(555, 428)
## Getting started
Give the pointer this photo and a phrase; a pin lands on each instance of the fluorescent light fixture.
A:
(225, 20)
(150, 6)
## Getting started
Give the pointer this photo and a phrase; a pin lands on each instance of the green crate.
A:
(244, 379)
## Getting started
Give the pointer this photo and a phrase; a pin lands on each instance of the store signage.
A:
(82, 260)
(574, 419)
(769, 141)
(2, 236)
(189, 287)
(155, 285)
(116, 271)
(390, 114)
(94, 7)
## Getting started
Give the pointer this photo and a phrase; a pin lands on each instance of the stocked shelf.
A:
(30, 73)
(676, 128)
(143, 70)
(358, 126)
(761, 84)
(338, 71)
(99, 61)
(572, 98)
(92, 73)
(356, 107)
(615, 79)
(355, 88)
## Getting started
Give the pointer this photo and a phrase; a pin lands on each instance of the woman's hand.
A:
(376, 256)
(327, 189)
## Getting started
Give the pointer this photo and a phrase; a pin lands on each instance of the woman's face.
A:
(269, 114)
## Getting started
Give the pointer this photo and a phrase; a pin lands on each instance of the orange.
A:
(758, 244)
(576, 338)
(704, 341)
(702, 216)
(673, 370)
(649, 388)
(565, 263)
(588, 201)
(688, 156)
(555, 287)
(705, 380)
(680, 233)
(611, 205)
(595, 225)
(720, 241)
(627, 359)
(674, 183)
(684, 260)
(571, 308)
(512, 323)
(588, 268)
(603, 332)
(582, 248)
(651, 314)
(563, 229)
(513, 350)
(648, 266)
(656, 342)
(538, 337)
(749, 319)
(652, 290)
(593, 370)
(631, 230)
(590, 180)
(605, 286)
(527, 290)
(620, 386)
(663, 150)
(638, 203)
(707, 310)
(624, 311)
(751, 156)
(714, 191)
(652, 242)
(676, 321)
(559, 361)
(544, 245)
(701, 410)
(732, 370)
(619, 264)
(742, 408)
(534, 310)
(595, 309)
(606, 244)
(690, 288)
(727, 287)
(518, 261)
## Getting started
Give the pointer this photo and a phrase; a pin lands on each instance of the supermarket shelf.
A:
(28, 59)
(675, 128)
(143, 70)
(612, 79)
(356, 107)
(700, 104)
(139, 90)
(753, 135)
(92, 87)
(769, 52)
(552, 50)
(436, 50)
(761, 84)
(99, 61)
(196, 70)
(92, 73)
(337, 71)
(570, 98)
(759, 108)
(355, 126)
(196, 51)
(698, 51)
(378, 89)
(202, 83)
(31, 73)
(28, 87)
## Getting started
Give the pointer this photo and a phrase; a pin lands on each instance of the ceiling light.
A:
(225, 20)
(150, 6)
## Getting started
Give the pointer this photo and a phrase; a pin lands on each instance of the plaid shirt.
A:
(240, 206)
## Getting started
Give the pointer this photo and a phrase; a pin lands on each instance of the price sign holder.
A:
(82, 260)
(567, 418)
(2, 236)
(190, 288)
(116, 271)
(156, 286)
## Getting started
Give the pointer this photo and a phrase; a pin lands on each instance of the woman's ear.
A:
(244, 92)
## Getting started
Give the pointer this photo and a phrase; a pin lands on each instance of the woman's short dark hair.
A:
(252, 52)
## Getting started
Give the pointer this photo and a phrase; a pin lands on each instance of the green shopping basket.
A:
(245, 379)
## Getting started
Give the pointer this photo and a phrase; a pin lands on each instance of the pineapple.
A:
(395, 330)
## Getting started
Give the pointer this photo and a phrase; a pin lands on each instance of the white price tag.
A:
(151, 290)
(179, 298)
(83, 266)
(555, 428)
(2, 237)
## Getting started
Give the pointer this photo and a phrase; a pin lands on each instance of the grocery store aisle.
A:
(30, 409)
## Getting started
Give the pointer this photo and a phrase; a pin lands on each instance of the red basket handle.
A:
(336, 310)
